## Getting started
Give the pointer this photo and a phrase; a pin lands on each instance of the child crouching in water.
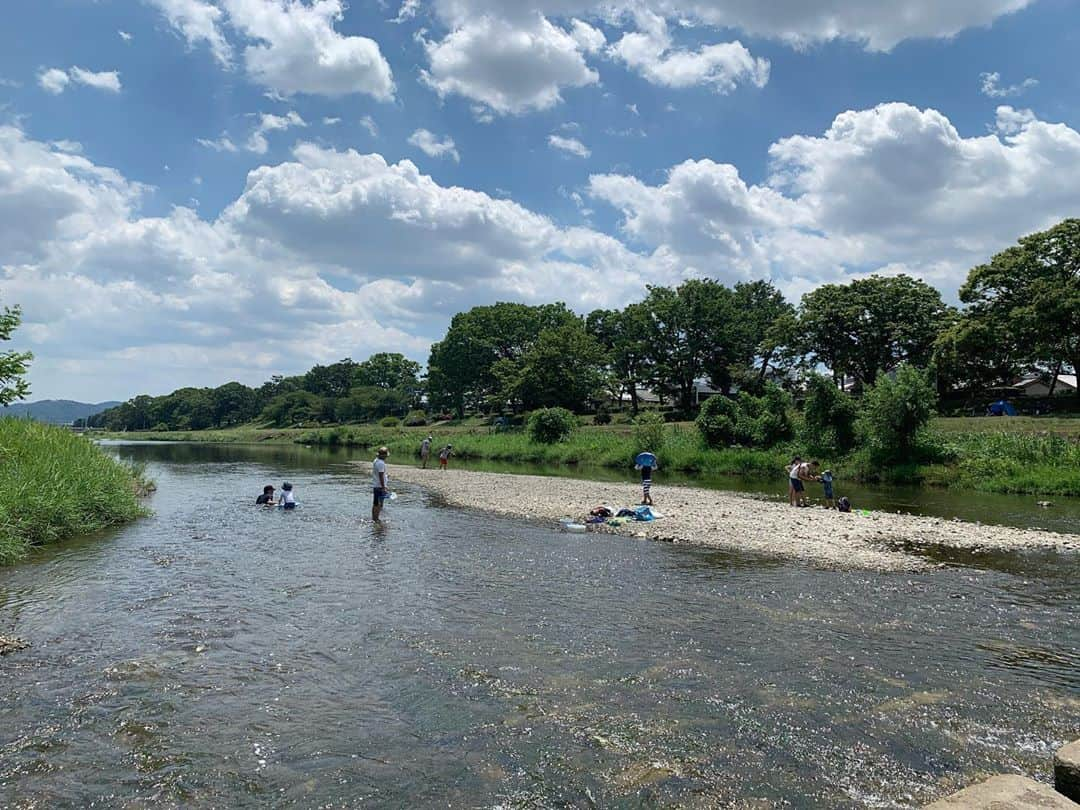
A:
(287, 499)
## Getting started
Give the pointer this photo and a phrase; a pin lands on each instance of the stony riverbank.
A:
(878, 541)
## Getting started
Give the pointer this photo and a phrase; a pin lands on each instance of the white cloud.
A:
(124, 35)
(508, 68)
(571, 145)
(991, 86)
(408, 10)
(298, 49)
(222, 144)
(54, 80)
(331, 121)
(268, 122)
(650, 52)
(198, 22)
(57, 80)
(434, 146)
(368, 123)
(893, 186)
(108, 80)
(876, 25)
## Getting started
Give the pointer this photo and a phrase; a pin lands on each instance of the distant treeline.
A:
(1021, 311)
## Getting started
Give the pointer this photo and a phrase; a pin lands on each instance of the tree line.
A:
(1020, 310)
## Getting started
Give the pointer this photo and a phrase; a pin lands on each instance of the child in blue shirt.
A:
(826, 483)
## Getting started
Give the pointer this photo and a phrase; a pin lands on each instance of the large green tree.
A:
(462, 369)
(388, 371)
(561, 369)
(1029, 295)
(871, 325)
(13, 365)
(762, 330)
(624, 336)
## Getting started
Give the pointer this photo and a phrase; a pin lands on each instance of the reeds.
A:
(55, 484)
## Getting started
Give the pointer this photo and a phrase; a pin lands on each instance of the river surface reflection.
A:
(218, 655)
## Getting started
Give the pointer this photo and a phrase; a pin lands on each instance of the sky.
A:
(200, 191)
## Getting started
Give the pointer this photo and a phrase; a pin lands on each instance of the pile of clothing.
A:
(607, 515)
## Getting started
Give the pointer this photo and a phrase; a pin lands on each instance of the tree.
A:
(828, 417)
(871, 325)
(562, 369)
(1030, 293)
(461, 369)
(13, 365)
(894, 411)
(625, 338)
(388, 371)
(331, 381)
(762, 328)
(682, 333)
(232, 404)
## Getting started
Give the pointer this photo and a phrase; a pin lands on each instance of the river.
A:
(218, 655)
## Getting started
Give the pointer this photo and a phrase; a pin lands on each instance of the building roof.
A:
(1068, 380)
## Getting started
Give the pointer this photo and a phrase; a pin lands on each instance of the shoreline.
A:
(733, 522)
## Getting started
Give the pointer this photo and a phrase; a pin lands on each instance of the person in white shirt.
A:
(425, 451)
(287, 500)
(380, 482)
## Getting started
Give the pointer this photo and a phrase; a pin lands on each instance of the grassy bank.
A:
(55, 484)
(1022, 455)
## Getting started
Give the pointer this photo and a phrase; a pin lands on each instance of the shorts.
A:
(381, 496)
(828, 491)
(442, 462)
(796, 484)
(646, 484)
(288, 506)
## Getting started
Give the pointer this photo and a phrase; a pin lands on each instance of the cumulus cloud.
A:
(124, 35)
(875, 25)
(57, 80)
(298, 50)
(893, 186)
(509, 68)
(297, 268)
(992, 87)
(198, 22)
(268, 122)
(724, 66)
(433, 146)
(408, 10)
(571, 145)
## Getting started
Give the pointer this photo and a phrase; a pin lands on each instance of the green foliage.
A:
(416, 419)
(561, 369)
(1029, 295)
(762, 421)
(388, 371)
(717, 421)
(296, 408)
(13, 365)
(369, 403)
(389, 422)
(893, 413)
(55, 484)
(828, 418)
(650, 432)
(602, 417)
(551, 425)
(871, 325)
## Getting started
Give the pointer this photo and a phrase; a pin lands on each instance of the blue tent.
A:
(1002, 408)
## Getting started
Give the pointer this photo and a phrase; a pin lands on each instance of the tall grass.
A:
(55, 484)
(1021, 463)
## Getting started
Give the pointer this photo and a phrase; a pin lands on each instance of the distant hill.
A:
(55, 411)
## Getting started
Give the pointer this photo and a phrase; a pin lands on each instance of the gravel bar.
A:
(875, 541)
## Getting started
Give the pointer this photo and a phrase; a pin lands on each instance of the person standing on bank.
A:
(380, 482)
(425, 451)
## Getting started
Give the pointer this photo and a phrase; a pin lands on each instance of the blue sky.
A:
(204, 190)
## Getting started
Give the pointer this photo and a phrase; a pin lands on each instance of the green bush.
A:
(416, 419)
(650, 432)
(603, 417)
(55, 484)
(893, 414)
(762, 421)
(552, 425)
(717, 421)
(828, 418)
(389, 422)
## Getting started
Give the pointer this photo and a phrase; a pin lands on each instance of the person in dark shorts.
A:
(267, 497)
(380, 482)
(827, 486)
(288, 498)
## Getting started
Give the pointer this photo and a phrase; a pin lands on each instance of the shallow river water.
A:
(215, 655)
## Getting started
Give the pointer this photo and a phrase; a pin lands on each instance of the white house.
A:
(1037, 386)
